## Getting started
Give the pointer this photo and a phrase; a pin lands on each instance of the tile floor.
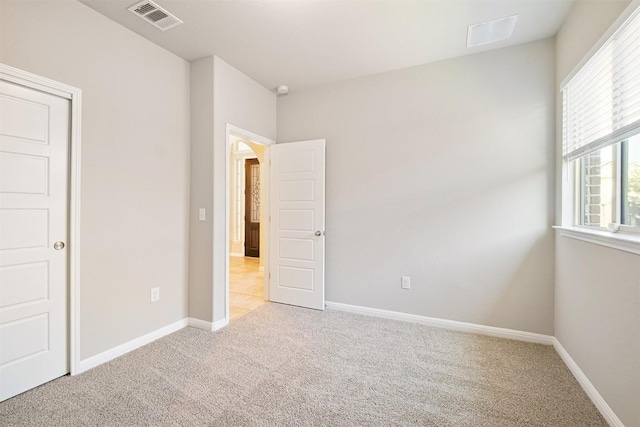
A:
(246, 285)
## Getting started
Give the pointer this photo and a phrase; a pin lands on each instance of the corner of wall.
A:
(201, 189)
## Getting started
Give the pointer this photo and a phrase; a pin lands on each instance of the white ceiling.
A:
(303, 43)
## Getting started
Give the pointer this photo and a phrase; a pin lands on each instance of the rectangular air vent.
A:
(155, 15)
(491, 31)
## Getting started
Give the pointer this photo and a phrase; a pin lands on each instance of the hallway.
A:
(246, 285)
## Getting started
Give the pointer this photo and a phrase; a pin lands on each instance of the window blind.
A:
(601, 103)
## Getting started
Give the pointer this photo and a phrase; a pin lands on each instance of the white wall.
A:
(597, 315)
(135, 162)
(444, 173)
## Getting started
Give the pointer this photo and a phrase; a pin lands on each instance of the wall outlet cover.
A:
(155, 294)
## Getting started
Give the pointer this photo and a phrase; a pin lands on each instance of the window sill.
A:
(620, 241)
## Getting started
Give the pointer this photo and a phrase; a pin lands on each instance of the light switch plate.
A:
(406, 282)
(202, 214)
(155, 294)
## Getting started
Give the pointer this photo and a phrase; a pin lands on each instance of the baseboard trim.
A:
(106, 356)
(236, 254)
(453, 325)
(200, 324)
(587, 386)
(220, 324)
(206, 325)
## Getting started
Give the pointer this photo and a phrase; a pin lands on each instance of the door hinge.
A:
(269, 275)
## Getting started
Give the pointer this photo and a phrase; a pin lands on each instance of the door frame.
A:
(232, 130)
(74, 95)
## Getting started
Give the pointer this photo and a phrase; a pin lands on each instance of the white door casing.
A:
(297, 223)
(34, 182)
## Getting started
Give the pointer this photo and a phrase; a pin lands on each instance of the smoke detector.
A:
(491, 31)
(155, 15)
(282, 90)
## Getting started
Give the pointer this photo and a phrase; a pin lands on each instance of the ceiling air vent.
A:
(155, 15)
(491, 31)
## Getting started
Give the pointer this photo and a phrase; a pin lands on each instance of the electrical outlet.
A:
(406, 282)
(155, 294)
(202, 214)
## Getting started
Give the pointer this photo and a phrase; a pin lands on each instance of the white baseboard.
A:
(236, 254)
(220, 324)
(445, 324)
(587, 386)
(200, 324)
(206, 325)
(118, 351)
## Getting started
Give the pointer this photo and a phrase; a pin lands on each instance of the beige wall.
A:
(201, 232)
(597, 316)
(135, 162)
(444, 173)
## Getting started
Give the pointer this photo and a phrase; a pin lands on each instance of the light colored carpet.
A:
(281, 365)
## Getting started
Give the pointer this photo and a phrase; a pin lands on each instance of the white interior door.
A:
(34, 144)
(297, 223)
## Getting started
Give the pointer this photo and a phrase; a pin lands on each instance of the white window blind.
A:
(601, 103)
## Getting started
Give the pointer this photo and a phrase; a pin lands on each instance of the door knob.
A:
(318, 233)
(58, 246)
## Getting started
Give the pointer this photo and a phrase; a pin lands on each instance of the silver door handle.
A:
(318, 233)
(58, 246)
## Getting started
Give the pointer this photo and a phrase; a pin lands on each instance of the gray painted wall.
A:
(201, 233)
(244, 103)
(444, 173)
(597, 315)
(135, 119)
(220, 95)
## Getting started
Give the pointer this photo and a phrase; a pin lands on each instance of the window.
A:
(601, 135)
(608, 186)
(630, 170)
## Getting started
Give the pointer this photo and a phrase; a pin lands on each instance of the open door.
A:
(297, 223)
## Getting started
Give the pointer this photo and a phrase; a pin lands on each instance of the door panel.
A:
(34, 144)
(23, 174)
(24, 283)
(297, 223)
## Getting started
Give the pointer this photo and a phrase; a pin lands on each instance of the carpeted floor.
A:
(280, 365)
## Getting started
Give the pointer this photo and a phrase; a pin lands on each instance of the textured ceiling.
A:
(304, 43)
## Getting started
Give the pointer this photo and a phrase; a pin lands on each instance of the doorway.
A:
(292, 203)
(247, 231)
